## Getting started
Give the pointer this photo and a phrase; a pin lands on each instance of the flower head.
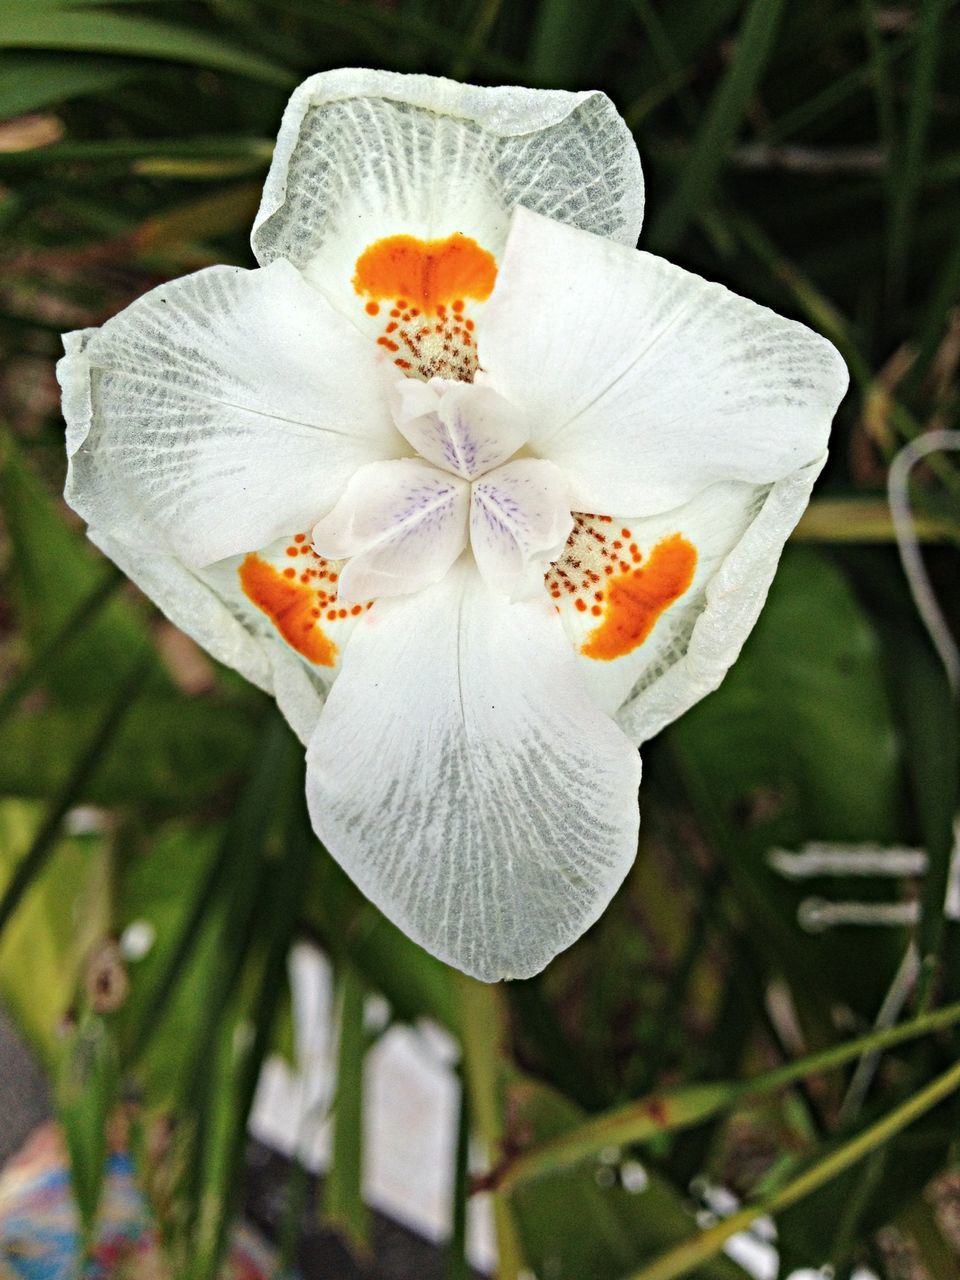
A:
(482, 494)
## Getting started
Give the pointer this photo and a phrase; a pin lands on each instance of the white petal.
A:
(461, 427)
(464, 780)
(400, 526)
(366, 154)
(707, 644)
(220, 411)
(519, 522)
(645, 382)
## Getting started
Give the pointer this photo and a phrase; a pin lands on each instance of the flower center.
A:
(426, 289)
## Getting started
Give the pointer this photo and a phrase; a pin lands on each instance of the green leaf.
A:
(31, 81)
(343, 1205)
(574, 1224)
(798, 744)
(907, 164)
(61, 915)
(99, 31)
(699, 1250)
(87, 1089)
(674, 1109)
(719, 130)
(53, 571)
(170, 750)
(70, 794)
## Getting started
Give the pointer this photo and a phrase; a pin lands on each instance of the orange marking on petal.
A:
(636, 599)
(289, 607)
(428, 272)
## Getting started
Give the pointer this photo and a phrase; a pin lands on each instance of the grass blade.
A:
(50, 651)
(907, 165)
(699, 1249)
(36, 857)
(678, 1109)
(343, 1204)
(26, 27)
(724, 118)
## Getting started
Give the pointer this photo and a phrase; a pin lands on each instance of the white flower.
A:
(482, 494)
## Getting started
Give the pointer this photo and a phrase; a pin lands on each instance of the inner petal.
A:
(425, 290)
(461, 427)
(519, 522)
(400, 525)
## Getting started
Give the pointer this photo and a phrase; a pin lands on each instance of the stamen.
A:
(430, 283)
(603, 574)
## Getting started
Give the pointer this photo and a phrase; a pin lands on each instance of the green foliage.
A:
(805, 155)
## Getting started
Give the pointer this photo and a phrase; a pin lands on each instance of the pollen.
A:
(431, 284)
(606, 577)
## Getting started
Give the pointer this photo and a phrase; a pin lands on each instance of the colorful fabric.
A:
(39, 1227)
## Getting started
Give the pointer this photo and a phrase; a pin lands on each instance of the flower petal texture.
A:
(219, 412)
(644, 382)
(458, 426)
(400, 526)
(519, 522)
(466, 781)
(483, 496)
(366, 154)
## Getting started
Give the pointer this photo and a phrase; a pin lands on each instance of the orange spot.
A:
(373, 308)
(429, 272)
(289, 607)
(636, 599)
(299, 537)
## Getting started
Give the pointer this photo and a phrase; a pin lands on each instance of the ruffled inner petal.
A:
(399, 525)
(520, 521)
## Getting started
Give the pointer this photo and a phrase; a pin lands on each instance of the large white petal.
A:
(400, 525)
(220, 411)
(465, 781)
(366, 154)
(519, 521)
(647, 383)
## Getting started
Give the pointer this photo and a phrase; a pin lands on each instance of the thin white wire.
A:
(898, 494)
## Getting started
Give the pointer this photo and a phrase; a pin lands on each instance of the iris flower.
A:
(483, 495)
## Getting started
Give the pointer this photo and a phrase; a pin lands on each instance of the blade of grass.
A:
(29, 82)
(343, 1205)
(681, 1108)
(456, 1264)
(275, 929)
(908, 162)
(483, 1029)
(681, 1260)
(47, 653)
(140, 150)
(252, 824)
(724, 118)
(866, 520)
(89, 759)
(27, 27)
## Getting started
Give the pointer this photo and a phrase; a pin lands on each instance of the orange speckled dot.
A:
(289, 607)
(637, 598)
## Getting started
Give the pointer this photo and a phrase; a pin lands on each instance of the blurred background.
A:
(792, 894)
